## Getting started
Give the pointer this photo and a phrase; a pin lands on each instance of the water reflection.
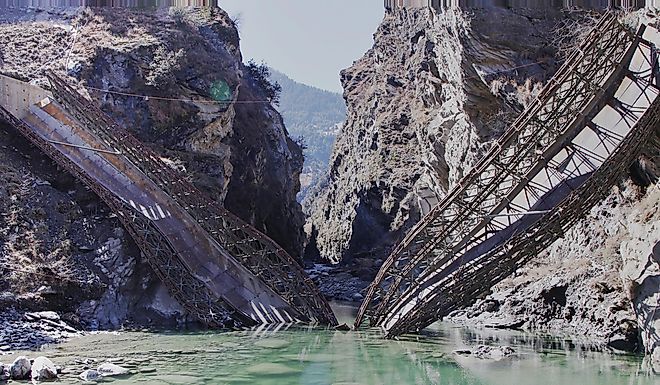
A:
(561, 360)
(312, 356)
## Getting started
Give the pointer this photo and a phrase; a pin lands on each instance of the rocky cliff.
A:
(221, 130)
(423, 104)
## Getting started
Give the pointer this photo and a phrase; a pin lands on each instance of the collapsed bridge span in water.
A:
(220, 269)
(557, 160)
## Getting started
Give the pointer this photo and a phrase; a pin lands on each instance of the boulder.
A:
(90, 375)
(43, 369)
(4, 373)
(493, 352)
(109, 369)
(20, 369)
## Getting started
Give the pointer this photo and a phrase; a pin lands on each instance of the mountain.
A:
(313, 116)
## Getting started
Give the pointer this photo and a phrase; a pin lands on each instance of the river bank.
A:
(21, 330)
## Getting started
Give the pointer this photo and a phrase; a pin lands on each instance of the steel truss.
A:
(157, 250)
(259, 254)
(428, 274)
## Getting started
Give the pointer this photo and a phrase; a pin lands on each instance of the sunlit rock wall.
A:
(423, 104)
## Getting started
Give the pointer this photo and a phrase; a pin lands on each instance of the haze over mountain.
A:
(314, 115)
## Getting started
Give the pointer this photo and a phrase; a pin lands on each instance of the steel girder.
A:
(259, 254)
(409, 281)
(183, 286)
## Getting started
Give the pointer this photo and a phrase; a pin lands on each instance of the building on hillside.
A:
(596, 4)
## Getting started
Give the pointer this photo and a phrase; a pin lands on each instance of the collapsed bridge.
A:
(557, 160)
(219, 268)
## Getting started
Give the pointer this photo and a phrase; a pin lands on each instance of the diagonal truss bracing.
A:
(219, 292)
(258, 253)
(535, 169)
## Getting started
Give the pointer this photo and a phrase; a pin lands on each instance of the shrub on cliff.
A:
(261, 74)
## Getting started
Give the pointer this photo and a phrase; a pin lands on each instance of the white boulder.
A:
(109, 369)
(43, 369)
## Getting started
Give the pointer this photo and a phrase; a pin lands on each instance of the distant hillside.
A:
(314, 115)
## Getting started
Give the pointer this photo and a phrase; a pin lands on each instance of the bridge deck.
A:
(188, 249)
(566, 139)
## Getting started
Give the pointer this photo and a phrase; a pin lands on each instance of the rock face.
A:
(421, 103)
(640, 250)
(221, 130)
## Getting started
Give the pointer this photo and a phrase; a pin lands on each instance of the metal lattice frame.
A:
(477, 277)
(261, 255)
(182, 285)
(464, 218)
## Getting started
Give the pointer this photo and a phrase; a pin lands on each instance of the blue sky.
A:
(309, 40)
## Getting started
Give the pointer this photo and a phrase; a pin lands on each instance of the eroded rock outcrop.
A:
(220, 129)
(421, 104)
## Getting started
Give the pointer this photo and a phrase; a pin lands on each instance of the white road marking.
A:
(144, 211)
(277, 314)
(256, 309)
(160, 211)
(267, 313)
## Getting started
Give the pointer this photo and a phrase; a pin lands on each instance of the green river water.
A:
(313, 356)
